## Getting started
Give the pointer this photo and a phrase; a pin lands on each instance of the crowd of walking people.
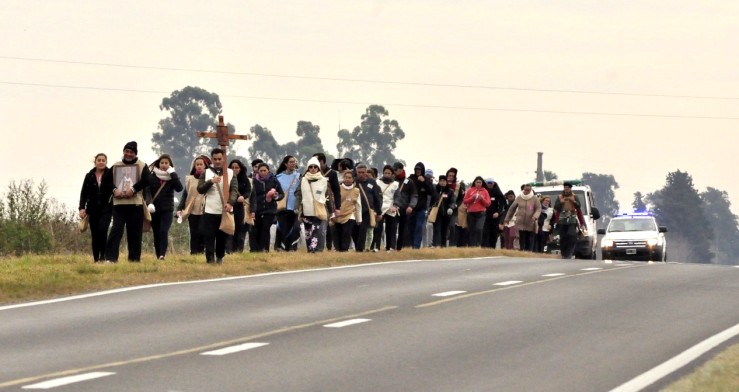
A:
(342, 206)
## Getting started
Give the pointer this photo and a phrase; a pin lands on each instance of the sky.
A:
(635, 89)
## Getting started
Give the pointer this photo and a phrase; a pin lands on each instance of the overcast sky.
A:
(636, 89)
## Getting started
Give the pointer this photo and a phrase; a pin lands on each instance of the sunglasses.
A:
(312, 167)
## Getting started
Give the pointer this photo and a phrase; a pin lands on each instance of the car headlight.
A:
(652, 242)
(606, 243)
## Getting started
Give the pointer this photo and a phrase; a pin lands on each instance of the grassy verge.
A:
(721, 374)
(37, 277)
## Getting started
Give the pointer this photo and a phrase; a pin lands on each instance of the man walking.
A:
(210, 185)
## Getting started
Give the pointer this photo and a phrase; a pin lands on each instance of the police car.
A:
(634, 236)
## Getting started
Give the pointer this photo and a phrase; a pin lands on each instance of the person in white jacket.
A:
(389, 221)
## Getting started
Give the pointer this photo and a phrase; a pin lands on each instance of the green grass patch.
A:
(721, 374)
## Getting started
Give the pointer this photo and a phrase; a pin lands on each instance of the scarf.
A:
(527, 197)
(401, 177)
(260, 178)
(313, 176)
(161, 174)
(347, 187)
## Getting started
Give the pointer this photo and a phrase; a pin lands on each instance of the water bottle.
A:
(179, 219)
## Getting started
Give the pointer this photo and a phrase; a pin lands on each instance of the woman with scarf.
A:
(235, 243)
(389, 221)
(191, 205)
(311, 195)
(96, 204)
(458, 230)
(527, 209)
(445, 196)
(349, 214)
(545, 219)
(162, 186)
(263, 202)
(287, 235)
(477, 200)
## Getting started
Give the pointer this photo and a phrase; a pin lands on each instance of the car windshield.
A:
(618, 225)
(553, 195)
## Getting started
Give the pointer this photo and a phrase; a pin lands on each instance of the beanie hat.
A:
(489, 180)
(314, 161)
(442, 177)
(131, 146)
(429, 173)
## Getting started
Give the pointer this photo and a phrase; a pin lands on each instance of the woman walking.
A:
(96, 204)
(527, 209)
(287, 235)
(311, 199)
(162, 185)
(350, 212)
(235, 243)
(191, 205)
(477, 200)
(389, 221)
(266, 192)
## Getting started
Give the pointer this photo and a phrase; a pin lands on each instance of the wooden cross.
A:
(223, 137)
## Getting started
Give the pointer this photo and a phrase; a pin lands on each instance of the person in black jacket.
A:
(371, 204)
(263, 203)
(235, 243)
(163, 183)
(444, 196)
(404, 201)
(494, 214)
(426, 196)
(96, 203)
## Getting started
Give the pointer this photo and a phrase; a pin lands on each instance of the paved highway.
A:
(491, 324)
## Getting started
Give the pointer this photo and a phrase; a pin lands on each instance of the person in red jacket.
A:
(477, 200)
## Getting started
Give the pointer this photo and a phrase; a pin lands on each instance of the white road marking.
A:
(550, 275)
(508, 283)
(346, 323)
(591, 269)
(655, 374)
(448, 293)
(67, 380)
(234, 349)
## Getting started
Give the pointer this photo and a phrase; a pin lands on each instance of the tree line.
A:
(701, 225)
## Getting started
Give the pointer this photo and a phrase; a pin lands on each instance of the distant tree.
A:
(265, 147)
(189, 110)
(717, 209)
(638, 204)
(679, 207)
(308, 143)
(550, 176)
(603, 186)
(374, 140)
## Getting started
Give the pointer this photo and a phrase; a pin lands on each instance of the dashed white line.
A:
(508, 283)
(591, 269)
(234, 349)
(58, 382)
(552, 275)
(448, 293)
(346, 323)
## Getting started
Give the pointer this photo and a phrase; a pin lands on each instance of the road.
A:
(490, 324)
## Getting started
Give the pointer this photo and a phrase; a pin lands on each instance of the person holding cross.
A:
(209, 185)
(130, 178)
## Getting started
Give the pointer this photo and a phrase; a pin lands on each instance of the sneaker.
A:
(161, 258)
(219, 260)
(375, 250)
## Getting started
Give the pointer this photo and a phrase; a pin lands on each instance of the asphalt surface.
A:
(409, 326)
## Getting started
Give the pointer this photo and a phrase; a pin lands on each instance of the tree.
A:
(679, 207)
(550, 175)
(603, 186)
(374, 140)
(717, 209)
(265, 147)
(189, 110)
(309, 143)
(638, 204)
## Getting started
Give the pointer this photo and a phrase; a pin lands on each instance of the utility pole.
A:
(539, 170)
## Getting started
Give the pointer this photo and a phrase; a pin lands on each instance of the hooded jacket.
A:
(424, 188)
(258, 201)
(497, 203)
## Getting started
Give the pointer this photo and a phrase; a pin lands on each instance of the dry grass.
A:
(721, 374)
(37, 277)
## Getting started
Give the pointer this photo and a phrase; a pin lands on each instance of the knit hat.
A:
(442, 177)
(131, 146)
(489, 180)
(314, 161)
(429, 173)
